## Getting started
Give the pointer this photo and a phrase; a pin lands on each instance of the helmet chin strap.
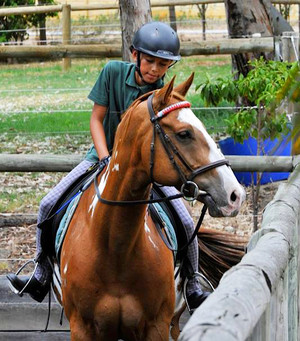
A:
(138, 68)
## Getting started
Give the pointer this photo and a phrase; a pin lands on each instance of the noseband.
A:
(189, 189)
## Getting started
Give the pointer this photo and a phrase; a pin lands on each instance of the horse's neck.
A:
(122, 226)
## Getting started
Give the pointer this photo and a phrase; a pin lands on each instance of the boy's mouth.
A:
(152, 77)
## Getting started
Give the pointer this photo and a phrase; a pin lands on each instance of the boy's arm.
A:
(97, 130)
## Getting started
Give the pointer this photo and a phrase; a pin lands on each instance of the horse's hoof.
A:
(28, 285)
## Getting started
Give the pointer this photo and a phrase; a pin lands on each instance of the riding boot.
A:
(36, 285)
(195, 296)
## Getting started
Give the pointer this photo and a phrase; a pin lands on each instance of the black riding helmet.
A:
(156, 39)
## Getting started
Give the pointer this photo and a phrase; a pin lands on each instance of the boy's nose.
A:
(154, 66)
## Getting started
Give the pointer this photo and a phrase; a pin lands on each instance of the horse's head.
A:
(180, 136)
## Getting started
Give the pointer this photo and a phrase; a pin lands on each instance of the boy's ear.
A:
(163, 95)
(134, 55)
(183, 88)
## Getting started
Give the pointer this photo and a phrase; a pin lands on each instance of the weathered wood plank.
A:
(224, 46)
(244, 163)
(64, 163)
(228, 314)
(114, 6)
(62, 51)
(244, 293)
(17, 219)
(38, 163)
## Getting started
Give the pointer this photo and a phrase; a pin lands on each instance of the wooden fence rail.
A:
(114, 6)
(112, 50)
(64, 163)
(259, 298)
(67, 51)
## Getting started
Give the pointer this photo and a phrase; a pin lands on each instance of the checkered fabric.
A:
(193, 250)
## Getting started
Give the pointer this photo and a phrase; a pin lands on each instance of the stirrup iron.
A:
(14, 290)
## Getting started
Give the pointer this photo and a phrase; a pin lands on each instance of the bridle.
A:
(189, 190)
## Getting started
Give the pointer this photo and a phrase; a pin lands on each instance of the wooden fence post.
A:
(172, 17)
(290, 53)
(66, 33)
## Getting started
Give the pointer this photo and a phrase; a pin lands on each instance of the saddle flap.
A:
(173, 221)
(50, 225)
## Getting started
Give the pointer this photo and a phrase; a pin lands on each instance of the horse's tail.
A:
(219, 251)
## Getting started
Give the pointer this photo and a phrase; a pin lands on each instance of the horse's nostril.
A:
(233, 196)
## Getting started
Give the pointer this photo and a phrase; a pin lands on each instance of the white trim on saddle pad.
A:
(169, 228)
(64, 224)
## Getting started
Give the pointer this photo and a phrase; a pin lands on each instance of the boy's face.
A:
(152, 68)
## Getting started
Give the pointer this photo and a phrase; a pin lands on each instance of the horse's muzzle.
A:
(213, 209)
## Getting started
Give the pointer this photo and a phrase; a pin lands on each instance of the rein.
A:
(131, 202)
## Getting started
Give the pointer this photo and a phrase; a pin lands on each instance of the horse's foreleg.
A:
(81, 331)
(175, 330)
(158, 332)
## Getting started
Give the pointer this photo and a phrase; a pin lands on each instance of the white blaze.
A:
(229, 180)
(186, 115)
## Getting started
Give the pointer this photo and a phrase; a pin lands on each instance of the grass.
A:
(40, 97)
(57, 122)
(49, 75)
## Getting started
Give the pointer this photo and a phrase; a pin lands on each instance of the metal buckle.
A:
(190, 191)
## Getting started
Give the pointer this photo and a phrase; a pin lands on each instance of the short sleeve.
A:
(100, 91)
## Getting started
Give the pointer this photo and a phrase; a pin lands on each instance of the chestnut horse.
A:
(117, 275)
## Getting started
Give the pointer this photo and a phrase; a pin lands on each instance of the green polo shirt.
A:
(116, 89)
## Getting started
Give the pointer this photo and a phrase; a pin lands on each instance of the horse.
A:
(117, 275)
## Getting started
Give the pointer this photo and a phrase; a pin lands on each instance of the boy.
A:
(155, 48)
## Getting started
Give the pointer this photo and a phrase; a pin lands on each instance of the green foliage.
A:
(258, 91)
(16, 25)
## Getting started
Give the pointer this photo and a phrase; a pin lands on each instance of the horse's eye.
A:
(184, 135)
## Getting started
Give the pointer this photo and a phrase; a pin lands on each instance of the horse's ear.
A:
(163, 95)
(183, 88)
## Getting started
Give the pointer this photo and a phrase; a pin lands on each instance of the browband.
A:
(167, 110)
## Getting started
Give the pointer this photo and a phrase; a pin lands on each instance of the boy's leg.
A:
(193, 286)
(39, 284)
(44, 272)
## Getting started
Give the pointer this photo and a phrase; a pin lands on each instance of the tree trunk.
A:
(202, 13)
(245, 18)
(248, 17)
(133, 13)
